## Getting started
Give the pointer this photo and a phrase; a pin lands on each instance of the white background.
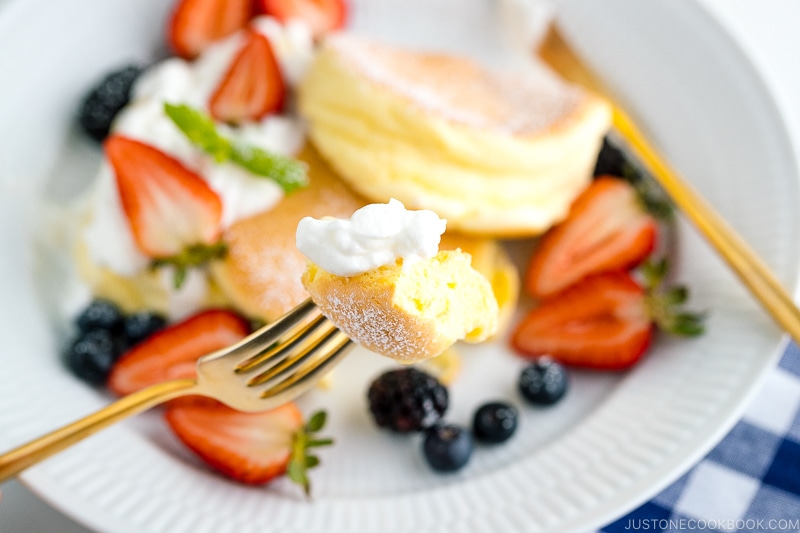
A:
(767, 31)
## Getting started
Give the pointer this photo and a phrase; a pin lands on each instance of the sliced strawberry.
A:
(251, 448)
(172, 352)
(321, 15)
(168, 206)
(253, 85)
(601, 322)
(195, 24)
(606, 229)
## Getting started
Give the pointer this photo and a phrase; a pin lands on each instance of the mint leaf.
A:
(289, 173)
(200, 129)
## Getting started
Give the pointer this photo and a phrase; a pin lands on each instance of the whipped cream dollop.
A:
(108, 239)
(376, 235)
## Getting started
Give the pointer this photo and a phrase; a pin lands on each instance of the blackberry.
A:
(106, 99)
(139, 326)
(447, 447)
(612, 161)
(100, 314)
(543, 382)
(494, 422)
(406, 400)
(92, 354)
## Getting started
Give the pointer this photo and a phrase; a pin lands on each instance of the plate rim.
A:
(36, 480)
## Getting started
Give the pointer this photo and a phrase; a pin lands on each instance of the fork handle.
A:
(20, 458)
(752, 271)
(744, 262)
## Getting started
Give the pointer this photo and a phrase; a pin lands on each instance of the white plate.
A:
(613, 442)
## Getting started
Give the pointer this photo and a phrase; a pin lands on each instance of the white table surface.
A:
(767, 31)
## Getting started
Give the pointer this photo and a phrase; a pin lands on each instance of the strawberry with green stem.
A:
(607, 228)
(252, 448)
(173, 214)
(606, 321)
(303, 440)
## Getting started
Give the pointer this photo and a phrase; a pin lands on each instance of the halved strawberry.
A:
(172, 352)
(321, 15)
(607, 229)
(168, 206)
(606, 321)
(253, 85)
(195, 24)
(251, 448)
(600, 322)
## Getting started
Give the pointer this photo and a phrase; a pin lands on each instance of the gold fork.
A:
(272, 366)
(751, 270)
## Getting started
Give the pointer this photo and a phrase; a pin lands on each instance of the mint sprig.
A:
(200, 129)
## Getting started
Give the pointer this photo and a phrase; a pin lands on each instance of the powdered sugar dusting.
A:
(395, 335)
(276, 271)
(262, 258)
(461, 91)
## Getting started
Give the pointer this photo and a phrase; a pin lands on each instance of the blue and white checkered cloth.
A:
(750, 481)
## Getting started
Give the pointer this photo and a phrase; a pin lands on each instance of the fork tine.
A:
(275, 352)
(322, 346)
(284, 330)
(307, 375)
(288, 356)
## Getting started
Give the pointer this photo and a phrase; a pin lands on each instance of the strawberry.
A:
(600, 322)
(195, 24)
(253, 85)
(171, 353)
(605, 321)
(607, 228)
(168, 206)
(252, 448)
(321, 15)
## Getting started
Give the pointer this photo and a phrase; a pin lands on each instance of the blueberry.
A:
(447, 447)
(494, 422)
(139, 326)
(100, 314)
(92, 354)
(543, 382)
(106, 99)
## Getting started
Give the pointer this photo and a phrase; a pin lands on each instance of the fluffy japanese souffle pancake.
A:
(261, 273)
(499, 154)
(380, 277)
